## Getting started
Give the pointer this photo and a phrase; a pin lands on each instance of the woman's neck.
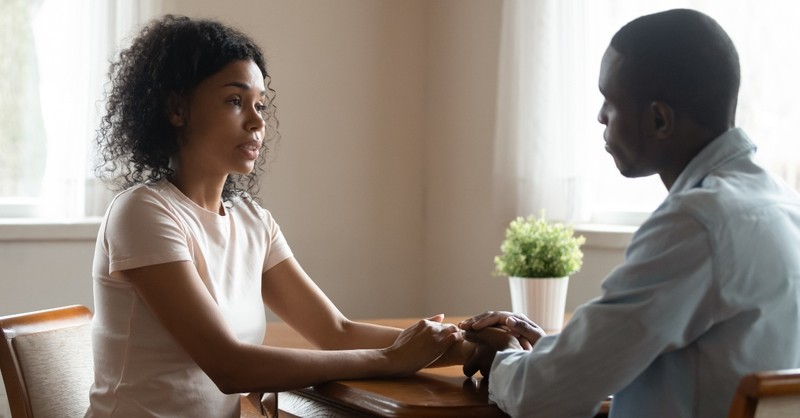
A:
(205, 194)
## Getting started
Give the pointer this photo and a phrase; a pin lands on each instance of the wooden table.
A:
(438, 392)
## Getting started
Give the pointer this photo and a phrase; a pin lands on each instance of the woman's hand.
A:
(420, 345)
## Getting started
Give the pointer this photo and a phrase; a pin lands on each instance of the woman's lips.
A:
(250, 149)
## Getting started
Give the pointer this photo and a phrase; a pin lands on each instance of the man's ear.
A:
(176, 110)
(663, 119)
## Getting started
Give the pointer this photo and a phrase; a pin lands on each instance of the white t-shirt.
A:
(140, 370)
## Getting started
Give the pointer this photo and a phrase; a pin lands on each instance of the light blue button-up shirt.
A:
(709, 291)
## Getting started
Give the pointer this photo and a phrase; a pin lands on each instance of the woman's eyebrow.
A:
(243, 86)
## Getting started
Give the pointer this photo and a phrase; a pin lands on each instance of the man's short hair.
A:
(685, 59)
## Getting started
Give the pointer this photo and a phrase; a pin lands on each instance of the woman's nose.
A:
(255, 120)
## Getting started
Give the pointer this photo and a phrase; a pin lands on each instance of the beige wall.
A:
(462, 233)
(42, 273)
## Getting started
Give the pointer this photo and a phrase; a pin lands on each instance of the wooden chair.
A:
(767, 395)
(46, 361)
(47, 367)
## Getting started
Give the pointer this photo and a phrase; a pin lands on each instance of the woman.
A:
(186, 259)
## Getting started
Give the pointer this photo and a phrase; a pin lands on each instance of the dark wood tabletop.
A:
(434, 392)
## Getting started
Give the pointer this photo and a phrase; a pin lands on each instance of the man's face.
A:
(622, 116)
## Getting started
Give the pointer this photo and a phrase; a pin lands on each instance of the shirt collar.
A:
(732, 144)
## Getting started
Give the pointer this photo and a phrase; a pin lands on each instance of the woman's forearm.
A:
(250, 368)
(355, 335)
(272, 369)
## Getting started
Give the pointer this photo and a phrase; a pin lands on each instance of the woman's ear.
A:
(176, 109)
(663, 119)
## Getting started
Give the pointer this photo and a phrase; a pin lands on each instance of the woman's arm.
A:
(293, 296)
(176, 295)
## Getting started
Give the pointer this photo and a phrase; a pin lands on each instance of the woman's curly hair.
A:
(169, 58)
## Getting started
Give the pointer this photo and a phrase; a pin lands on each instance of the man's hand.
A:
(488, 342)
(518, 325)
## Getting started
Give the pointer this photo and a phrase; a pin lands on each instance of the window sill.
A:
(597, 235)
(606, 236)
(31, 229)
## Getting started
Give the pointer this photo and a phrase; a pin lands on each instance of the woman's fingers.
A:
(436, 318)
(421, 344)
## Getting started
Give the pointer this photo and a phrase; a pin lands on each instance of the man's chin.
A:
(631, 170)
(633, 173)
(627, 170)
(623, 169)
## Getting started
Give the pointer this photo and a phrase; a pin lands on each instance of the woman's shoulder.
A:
(142, 190)
(246, 204)
(140, 198)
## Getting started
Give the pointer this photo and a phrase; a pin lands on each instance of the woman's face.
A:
(223, 130)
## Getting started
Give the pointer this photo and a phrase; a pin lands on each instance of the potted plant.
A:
(538, 257)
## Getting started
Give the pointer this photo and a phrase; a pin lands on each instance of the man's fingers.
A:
(481, 360)
(472, 336)
(525, 329)
(520, 327)
(471, 366)
(527, 332)
(488, 319)
(495, 338)
(491, 319)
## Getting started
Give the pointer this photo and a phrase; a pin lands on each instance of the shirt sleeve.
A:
(652, 303)
(141, 230)
(277, 246)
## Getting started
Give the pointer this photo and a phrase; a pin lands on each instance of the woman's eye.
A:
(261, 107)
(235, 102)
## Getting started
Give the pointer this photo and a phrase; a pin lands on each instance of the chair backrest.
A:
(767, 395)
(46, 362)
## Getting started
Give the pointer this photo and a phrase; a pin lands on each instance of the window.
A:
(53, 65)
(21, 133)
(549, 152)
(764, 33)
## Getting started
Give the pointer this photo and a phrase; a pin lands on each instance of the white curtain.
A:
(542, 111)
(548, 144)
(75, 42)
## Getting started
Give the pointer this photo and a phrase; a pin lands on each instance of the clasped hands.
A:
(432, 343)
(497, 331)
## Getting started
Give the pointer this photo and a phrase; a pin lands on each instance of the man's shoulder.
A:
(730, 201)
(735, 189)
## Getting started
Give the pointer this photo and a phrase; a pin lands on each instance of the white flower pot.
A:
(541, 299)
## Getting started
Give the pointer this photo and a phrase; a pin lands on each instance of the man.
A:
(710, 286)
